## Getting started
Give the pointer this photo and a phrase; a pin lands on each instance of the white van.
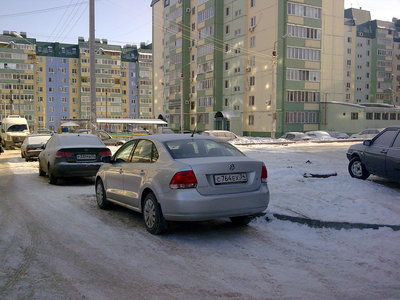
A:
(14, 129)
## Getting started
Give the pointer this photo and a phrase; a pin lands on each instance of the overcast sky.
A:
(119, 21)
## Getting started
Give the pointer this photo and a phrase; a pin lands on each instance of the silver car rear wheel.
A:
(101, 197)
(152, 215)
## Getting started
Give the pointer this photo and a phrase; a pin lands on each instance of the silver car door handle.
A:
(384, 151)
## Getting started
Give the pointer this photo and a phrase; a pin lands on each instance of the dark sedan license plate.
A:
(86, 156)
(230, 178)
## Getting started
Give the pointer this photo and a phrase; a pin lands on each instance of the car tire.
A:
(27, 159)
(101, 197)
(152, 215)
(41, 172)
(52, 179)
(357, 169)
(242, 220)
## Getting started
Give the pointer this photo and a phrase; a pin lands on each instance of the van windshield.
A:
(16, 128)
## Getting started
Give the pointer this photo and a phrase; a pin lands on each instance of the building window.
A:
(227, 104)
(227, 11)
(253, 21)
(303, 75)
(251, 120)
(226, 66)
(304, 53)
(393, 116)
(303, 32)
(251, 100)
(302, 10)
(302, 117)
(377, 116)
(252, 3)
(252, 80)
(354, 116)
(303, 96)
(252, 42)
(369, 116)
(227, 29)
(226, 84)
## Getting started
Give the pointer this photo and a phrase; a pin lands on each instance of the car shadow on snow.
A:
(386, 182)
(120, 216)
(74, 181)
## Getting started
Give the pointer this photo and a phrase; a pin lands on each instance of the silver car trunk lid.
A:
(228, 174)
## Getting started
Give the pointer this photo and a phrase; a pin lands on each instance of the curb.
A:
(333, 225)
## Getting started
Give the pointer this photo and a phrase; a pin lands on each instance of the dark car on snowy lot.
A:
(379, 156)
(177, 177)
(72, 155)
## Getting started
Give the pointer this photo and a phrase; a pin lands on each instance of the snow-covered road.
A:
(56, 244)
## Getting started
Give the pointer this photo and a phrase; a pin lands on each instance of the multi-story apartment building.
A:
(250, 66)
(57, 84)
(17, 75)
(371, 64)
(48, 83)
(145, 82)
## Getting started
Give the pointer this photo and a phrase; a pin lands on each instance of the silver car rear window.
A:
(200, 148)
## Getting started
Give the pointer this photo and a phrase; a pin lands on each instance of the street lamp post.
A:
(19, 96)
(11, 103)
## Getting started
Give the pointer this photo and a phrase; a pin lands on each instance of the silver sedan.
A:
(175, 177)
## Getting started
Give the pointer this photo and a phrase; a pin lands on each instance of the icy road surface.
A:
(56, 244)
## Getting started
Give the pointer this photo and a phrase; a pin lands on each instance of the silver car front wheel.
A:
(152, 215)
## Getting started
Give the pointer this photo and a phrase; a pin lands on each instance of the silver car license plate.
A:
(230, 178)
(86, 156)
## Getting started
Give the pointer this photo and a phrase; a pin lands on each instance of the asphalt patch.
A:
(333, 225)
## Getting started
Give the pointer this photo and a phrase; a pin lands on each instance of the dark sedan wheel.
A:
(52, 178)
(152, 215)
(101, 198)
(241, 221)
(357, 169)
(41, 172)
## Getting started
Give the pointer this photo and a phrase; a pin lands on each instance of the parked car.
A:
(104, 136)
(366, 134)
(221, 134)
(44, 130)
(296, 136)
(319, 135)
(338, 135)
(33, 145)
(379, 156)
(72, 155)
(175, 177)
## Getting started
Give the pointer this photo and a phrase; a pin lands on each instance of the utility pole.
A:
(11, 103)
(19, 96)
(106, 109)
(92, 66)
(182, 121)
(106, 104)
